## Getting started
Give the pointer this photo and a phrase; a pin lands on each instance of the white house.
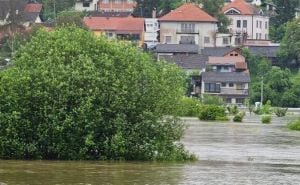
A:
(151, 32)
(188, 24)
(248, 22)
(86, 5)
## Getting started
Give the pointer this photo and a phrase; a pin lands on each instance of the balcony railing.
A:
(187, 31)
(229, 91)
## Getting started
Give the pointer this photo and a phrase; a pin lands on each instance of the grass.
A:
(294, 125)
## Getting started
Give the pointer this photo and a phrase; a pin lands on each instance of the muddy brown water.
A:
(229, 154)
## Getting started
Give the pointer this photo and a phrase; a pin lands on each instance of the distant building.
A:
(117, 5)
(247, 22)
(151, 32)
(254, 2)
(188, 24)
(227, 77)
(122, 28)
(86, 5)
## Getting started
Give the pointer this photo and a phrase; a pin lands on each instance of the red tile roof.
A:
(188, 12)
(118, 24)
(33, 8)
(242, 6)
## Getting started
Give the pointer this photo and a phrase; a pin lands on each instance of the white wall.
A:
(204, 29)
(92, 7)
(251, 28)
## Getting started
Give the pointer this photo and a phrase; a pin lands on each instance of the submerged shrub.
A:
(71, 95)
(239, 117)
(212, 112)
(294, 125)
(189, 107)
(280, 112)
(266, 119)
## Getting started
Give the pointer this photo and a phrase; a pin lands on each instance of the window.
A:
(244, 23)
(256, 24)
(260, 24)
(206, 40)
(238, 23)
(168, 39)
(231, 84)
(260, 36)
(266, 25)
(223, 84)
(228, 100)
(240, 100)
(240, 86)
(187, 28)
(237, 41)
(225, 40)
(109, 34)
(187, 40)
(266, 36)
(256, 36)
(86, 4)
(212, 87)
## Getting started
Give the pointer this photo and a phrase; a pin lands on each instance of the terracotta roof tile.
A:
(242, 6)
(33, 8)
(225, 60)
(118, 24)
(188, 12)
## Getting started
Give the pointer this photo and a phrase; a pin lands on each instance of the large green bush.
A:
(212, 112)
(189, 107)
(294, 125)
(70, 95)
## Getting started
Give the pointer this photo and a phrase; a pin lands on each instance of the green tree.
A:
(285, 11)
(71, 95)
(65, 18)
(290, 45)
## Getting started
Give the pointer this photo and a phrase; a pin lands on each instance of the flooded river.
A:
(229, 154)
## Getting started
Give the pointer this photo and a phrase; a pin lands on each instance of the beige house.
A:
(188, 24)
(247, 21)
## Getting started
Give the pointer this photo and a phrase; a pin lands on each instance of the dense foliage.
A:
(70, 95)
(266, 119)
(212, 113)
(189, 107)
(285, 11)
(294, 125)
(278, 83)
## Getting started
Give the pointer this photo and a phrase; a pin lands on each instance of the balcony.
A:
(187, 31)
(231, 91)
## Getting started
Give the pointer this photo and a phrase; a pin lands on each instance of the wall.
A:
(203, 30)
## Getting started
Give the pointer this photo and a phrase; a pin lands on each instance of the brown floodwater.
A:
(229, 154)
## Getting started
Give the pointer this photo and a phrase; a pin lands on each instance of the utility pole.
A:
(262, 92)
(54, 10)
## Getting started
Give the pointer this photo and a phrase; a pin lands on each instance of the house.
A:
(227, 77)
(87, 5)
(247, 21)
(188, 24)
(123, 28)
(254, 2)
(24, 13)
(117, 5)
(151, 32)
(174, 49)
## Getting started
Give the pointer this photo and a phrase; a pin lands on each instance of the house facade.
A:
(86, 5)
(247, 21)
(122, 28)
(117, 5)
(151, 32)
(188, 24)
(227, 77)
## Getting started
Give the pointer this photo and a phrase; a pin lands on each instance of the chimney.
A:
(154, 13)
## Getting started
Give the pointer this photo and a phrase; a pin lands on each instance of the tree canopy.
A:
(71, 95)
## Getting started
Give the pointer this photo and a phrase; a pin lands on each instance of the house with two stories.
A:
(227, 77)
(188, 24)
(248, 22)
